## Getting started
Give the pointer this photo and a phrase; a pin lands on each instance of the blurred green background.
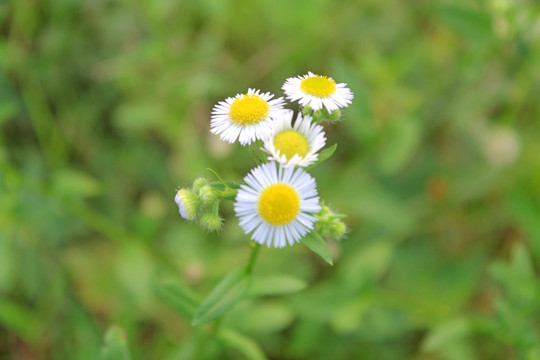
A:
(104, 111)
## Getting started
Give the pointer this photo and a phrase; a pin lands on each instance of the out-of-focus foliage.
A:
(104, 110)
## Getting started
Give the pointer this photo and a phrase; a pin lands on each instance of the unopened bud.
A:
(335, 115)
(307, 110)
(199, 183)
(211, 221)
(208, 194)
(188, 203)
(320, 115)
(338, 229)
(330, 225)
(333, 229)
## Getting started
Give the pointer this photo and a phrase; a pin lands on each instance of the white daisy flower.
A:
(275, 204)
(246, 117)
(317, 91)
(294, 146)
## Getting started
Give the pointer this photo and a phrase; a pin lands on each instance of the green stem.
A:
(227, 192)
(255, 249)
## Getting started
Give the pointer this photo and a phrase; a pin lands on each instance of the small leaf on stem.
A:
(316, 243)
(325, 154)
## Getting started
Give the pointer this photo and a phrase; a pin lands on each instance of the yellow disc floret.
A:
(290, 143)
(249, 109)
(320, 86)
(279, 204)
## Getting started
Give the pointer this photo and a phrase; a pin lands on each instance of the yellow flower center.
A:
(290, 143)
(279, 204)
(320, 86)
(248, 109)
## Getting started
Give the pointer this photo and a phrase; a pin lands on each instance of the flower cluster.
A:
(278, 203)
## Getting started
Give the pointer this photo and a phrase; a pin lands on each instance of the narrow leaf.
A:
(7, 110)
(20, 320)
(116, 347)
(276, 285)
(216, 175)
(222, 186)
(225, 295)
(445, 334)
(247, 346)
(403, 137)
(316, 243)
(325, 154)
(466, 21)
(226, 186)
(177, 296)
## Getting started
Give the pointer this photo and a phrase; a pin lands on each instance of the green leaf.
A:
(8, 263)
(445, 334)
(518, 276)
(276, 285)
(19, 320)
(325, 154)
(69, 182)
(227, 185)
(177, 296)
(7, 111)
(223, 298)
(468, 22)
(247, 346)
(525, 210)
(222, 186)
(263, 317)
(402, 138)
(116, 347)
(316, 243)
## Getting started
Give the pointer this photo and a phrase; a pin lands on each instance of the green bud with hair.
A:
(330, 225)
(208, 194)
(335, 115)
(199, 183)
(188, 203)
(211, 221)
(320, 115)
(307, 110)
(338, 229)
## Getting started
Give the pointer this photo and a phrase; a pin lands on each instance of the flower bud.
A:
(188, 203)
(211, 221)
(333, 229)
(307, 110)
(338, 229)
(335, 115)
(319, 115)
(330, 225)
(208, 194)
(199, 183)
